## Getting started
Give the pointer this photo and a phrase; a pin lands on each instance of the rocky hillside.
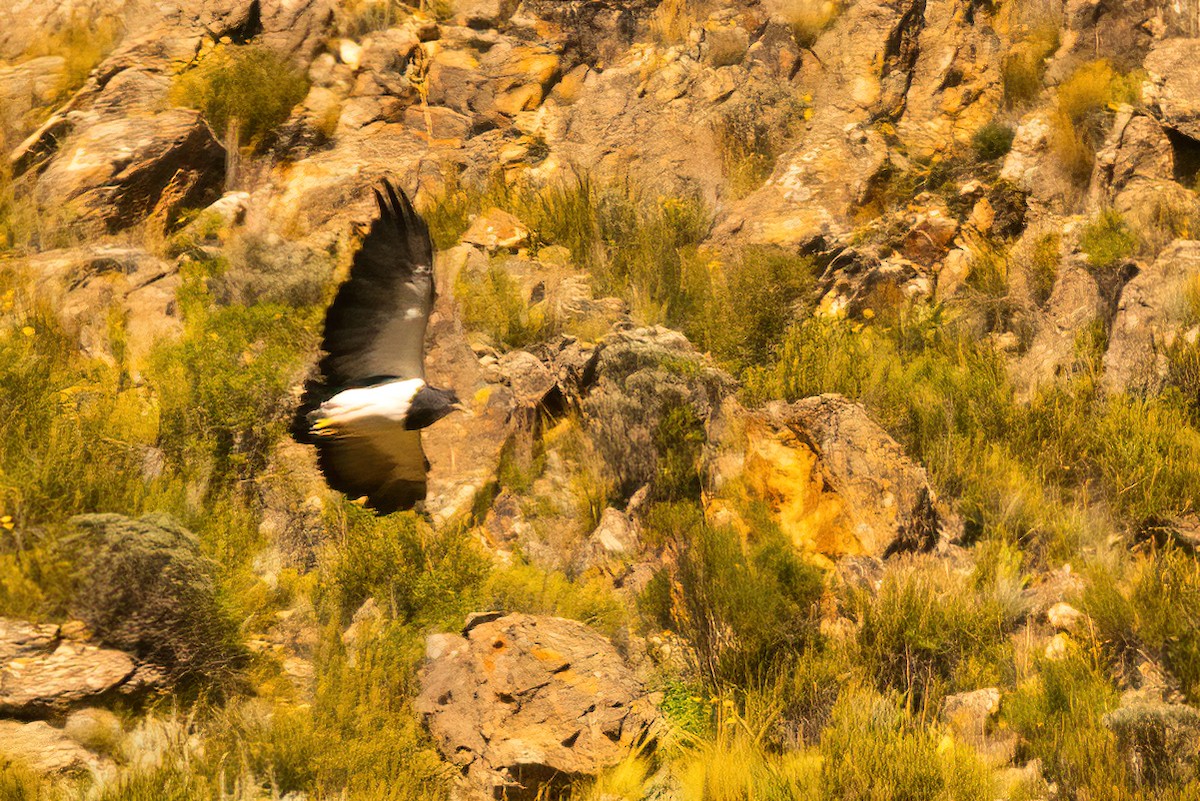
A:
(834, 371)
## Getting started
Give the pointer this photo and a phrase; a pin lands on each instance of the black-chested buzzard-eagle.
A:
(365, 411)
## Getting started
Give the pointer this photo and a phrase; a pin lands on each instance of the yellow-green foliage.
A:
(1153, 609)
(1025, 63)
(743, 607)
(526, 588)
(871, 743)
(1041, 266)
(1107, 240)
(1059, 714)
(927, 631)
(672, 20)
(418, 575)
(752, 129)
(491, 302)
(1086, 100)
(248, 86)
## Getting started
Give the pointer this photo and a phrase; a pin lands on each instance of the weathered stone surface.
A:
(20, 638)
(1174, 85)
(25, 87)
(44, 748)
(119, 171)
(1150, 317)
(1137, 149)
(519, 700)
(56, 675)
(495, 229)
(1074, 303)
(835, 481)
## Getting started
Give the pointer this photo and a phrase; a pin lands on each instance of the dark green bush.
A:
(247, 87)
(143, 586)
(993, 141)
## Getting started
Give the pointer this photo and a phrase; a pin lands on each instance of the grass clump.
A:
(927, 632)
(993, 141)
(743, 607)
(1154, 610)
(1021, 73)
(526, 588)
(809, 18)
(249, 89)
(752, 129)
(1086, 101)
(1108, 241)
(1040, 264)
(491, 302)
(82, 42)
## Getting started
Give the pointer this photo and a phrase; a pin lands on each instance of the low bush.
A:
(1108, 241)
(529, 589)
(928, 631)
(1083, 113)
(249, 89)
(491, 303)
(143, 586)
(744, 608)
(992, 141)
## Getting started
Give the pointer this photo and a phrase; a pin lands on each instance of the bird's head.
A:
(431, 404)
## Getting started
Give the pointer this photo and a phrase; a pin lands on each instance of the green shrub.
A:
(928, 631)
(992, 141)
(1041, 266)
(743, 608)
(1108, 241)
(143, 586)
(419, 576)
(247, 88)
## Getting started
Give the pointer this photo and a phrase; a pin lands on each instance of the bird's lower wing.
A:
(386, 467)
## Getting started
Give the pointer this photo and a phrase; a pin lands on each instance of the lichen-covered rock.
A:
(519, 701)
(1150, 317)
(43, 748)
(652, 394)
(835, 481)
(41, 670)
(1174, 85)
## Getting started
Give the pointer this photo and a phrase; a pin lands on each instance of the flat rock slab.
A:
(43, 748)
(40, 671)
(517, 699)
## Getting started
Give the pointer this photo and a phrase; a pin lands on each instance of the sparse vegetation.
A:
(244, 89)
(1085, 104)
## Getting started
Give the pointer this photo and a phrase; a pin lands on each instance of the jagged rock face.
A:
(517, 700)
(1174, 86)
(1075, 302)
(41, 670)
(1149, 320)
(120, 171)
(836, 482)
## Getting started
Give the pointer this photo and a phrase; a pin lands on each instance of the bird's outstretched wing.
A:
(376, 324)
(387, 467)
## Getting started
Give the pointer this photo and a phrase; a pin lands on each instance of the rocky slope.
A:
(897, 518)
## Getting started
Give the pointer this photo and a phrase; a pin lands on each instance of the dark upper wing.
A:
(376, 324)
(388, 467)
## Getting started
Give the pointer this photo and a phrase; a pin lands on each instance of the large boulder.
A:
(519, 701)
(834, 480)
(120, 171)
(1173, 90)
(1150, 318)
(41, 670)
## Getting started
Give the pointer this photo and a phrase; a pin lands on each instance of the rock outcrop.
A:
(835, 481)
(516, 701)
(1150, 318)
(42, 670)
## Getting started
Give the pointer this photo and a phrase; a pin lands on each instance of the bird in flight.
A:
(365, 410)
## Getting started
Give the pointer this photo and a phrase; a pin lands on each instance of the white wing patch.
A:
(367, 408)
